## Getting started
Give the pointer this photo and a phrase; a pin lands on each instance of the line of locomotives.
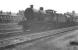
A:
(49, 16)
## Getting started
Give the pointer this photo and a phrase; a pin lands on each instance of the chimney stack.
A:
(41, 8)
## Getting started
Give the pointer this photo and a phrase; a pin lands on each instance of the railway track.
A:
(33, 37)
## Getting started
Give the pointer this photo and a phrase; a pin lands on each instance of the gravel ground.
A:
(50, 44)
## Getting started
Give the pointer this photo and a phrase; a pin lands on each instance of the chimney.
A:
(41, 8)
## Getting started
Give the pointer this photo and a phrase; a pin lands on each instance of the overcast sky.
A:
(58, 5)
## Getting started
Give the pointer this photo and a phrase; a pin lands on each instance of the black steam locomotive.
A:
(48, 17)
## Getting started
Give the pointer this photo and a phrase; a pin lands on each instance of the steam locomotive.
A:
(48, 16)
(47, 19)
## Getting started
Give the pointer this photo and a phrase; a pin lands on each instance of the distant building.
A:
(9, 22)
(21, 12)
(8, 17)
